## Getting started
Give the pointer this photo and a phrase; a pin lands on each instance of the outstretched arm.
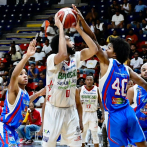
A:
(37, 94)
(137, 79)
(13, 87)
(62, 53)
(100, 54)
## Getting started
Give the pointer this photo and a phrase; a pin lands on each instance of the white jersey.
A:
(89, 98)
(61, 81)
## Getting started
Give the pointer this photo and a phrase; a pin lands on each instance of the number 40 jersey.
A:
(112, 86)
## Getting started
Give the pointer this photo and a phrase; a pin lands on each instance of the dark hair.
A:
(90, 75)
(12, 69)
(33, 64)
(144, 46)
(55, 44)
(133, 44)
(136, 52)
(121, 48)
(47, 39)
(52, 22)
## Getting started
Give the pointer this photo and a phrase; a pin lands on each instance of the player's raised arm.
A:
(13, 87)
(37, 94)
(100, 54)
(137, 79)
(62, 53)
(87, 52)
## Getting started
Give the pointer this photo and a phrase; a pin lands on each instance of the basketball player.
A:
(138, 100)
(123, 124)
(60, 113)
(89, 95)
(17, 102)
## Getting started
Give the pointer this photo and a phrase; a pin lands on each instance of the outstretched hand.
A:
(31, 49)
(79, 14)
(57, 20)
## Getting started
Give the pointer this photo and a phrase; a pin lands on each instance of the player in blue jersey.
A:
(123, 124)
(16, 102)
(138, 100)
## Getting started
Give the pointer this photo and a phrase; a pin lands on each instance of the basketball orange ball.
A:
(68, 17)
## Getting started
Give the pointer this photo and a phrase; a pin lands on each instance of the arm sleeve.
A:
(113, 18)
(122, 18)
(18, 55)
(131, 63)
(48, 29)
(141, 61)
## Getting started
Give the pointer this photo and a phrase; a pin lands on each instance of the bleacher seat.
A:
(24, 46)
(40, 68)
(33, 85)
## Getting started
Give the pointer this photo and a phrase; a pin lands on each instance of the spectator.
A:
(114, 35)
(43, 78)
(144, 53)
(1, 84)
(129, 40)
(145, 30)
(117, 21)
(40, 85)
(126, 7)
(39, 102)
(45, 25)
(113, 8)
(47, 48)
(81, 82)
(132, 51)
(3, 70)
(99, 25)
(39, 56)
(140, 7)
(33, 124)
(33, 73)
(15, 56)
(91, 15)
(136, 63)
(51, 31)
(7, 56)
(103, 44)
(92, 27)
(132, 36)
(18, 49)
(91, 64)
(79, 78)
(98, 34)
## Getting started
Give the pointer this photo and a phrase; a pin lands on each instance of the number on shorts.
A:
(67, 93)
(116, 86)
(88, 106)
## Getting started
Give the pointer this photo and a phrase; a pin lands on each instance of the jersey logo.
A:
(144, 110)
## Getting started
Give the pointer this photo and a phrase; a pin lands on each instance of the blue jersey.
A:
(140, 98)
(113, 86)
(13, 115)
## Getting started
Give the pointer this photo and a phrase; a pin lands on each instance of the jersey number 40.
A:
(116, 85)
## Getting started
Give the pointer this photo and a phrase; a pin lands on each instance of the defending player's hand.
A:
(79, 14)
(31, 49)
(57, 21)
(81, 126)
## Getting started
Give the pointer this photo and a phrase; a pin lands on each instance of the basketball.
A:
(68, 17)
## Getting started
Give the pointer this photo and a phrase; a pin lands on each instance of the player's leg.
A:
(116, 129)
(84, 134)
(71, 133)
(53, 120)
(134, 130)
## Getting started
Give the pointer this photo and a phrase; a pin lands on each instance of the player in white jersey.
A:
(60, 113)
(89, 95)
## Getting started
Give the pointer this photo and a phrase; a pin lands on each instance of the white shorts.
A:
(90, 121)
(62, 121)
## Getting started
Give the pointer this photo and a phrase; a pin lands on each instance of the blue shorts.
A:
(123, 125)
(8, 136)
